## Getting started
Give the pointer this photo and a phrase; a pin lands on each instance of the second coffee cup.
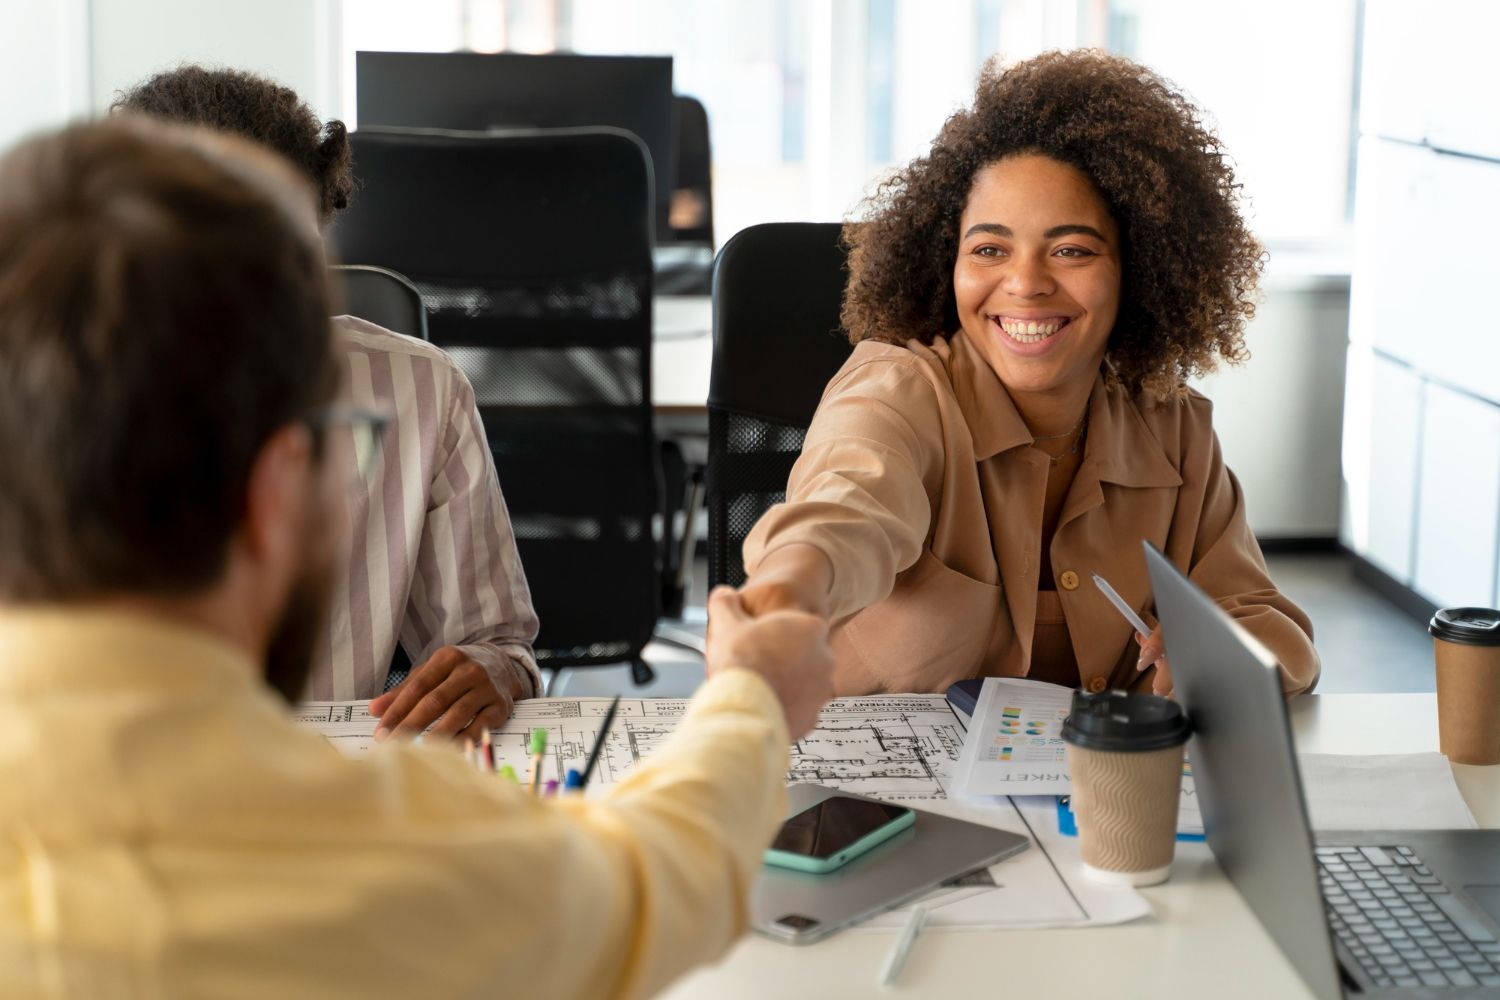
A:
(1125, 759)
(1466, 647)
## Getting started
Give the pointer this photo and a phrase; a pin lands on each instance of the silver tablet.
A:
(800, 908)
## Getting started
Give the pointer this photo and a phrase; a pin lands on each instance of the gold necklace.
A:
(1067, 433)
(1080, 428)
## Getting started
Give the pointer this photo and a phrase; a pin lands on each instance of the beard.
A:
(289, 659)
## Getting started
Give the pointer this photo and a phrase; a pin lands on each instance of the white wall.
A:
(295, 42)
(65, 59)
(43, 65)
(1277, 76)
(1422, 429)
(1279, 417)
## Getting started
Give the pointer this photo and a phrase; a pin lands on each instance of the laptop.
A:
(1382, 913)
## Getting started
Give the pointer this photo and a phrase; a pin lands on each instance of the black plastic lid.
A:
(1467, 626)
(1123, 721)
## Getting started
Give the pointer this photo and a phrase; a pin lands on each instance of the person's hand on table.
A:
(451, 693)
(1154, 651)
(789, 649)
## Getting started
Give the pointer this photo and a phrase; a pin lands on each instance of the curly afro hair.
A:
(1190, 263)
(261, 110)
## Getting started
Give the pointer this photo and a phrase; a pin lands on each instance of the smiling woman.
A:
(1027, 301)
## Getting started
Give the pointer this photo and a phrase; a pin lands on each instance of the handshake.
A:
(764, 629)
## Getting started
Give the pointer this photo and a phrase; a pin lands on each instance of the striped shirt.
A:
(432, 559)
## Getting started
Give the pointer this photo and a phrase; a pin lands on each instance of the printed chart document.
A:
(892, 747)
(1015, 744)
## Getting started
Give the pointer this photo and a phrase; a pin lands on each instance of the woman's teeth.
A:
(1030, 332)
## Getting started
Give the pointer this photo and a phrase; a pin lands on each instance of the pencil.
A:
(588, 769)
(538, 750)
(487, 751)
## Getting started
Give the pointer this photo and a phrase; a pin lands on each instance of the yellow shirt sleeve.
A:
(682, 839)
(501, 893)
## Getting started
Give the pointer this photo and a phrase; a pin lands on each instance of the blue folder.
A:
(1068, 826)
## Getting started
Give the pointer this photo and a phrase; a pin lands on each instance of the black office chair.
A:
(694, 168)
(532, 251)
(380, 296)
(777, 341)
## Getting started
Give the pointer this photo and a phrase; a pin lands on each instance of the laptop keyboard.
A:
(1401, 923)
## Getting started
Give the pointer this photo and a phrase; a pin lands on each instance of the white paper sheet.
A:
(1412, 791)
(1043, 886)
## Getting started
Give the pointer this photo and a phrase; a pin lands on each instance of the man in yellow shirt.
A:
(169, 518)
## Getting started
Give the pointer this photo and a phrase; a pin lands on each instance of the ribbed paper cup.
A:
(1125, 760)
(1466, 648)
(1126, 808)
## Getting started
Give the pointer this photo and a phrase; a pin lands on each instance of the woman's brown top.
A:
(919, 482)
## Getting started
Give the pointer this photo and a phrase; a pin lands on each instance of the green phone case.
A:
(821, 866)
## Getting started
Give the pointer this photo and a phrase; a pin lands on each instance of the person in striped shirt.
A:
(432, 562)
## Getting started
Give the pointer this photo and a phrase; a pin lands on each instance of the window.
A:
(1278, 77)
(812, 102)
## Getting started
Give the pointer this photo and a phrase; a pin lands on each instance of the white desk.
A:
(1202, 941)
(682, 349)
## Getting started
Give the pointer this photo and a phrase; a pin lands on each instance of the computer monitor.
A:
(477, 91)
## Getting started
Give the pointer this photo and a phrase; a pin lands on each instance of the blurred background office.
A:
(1366, 428)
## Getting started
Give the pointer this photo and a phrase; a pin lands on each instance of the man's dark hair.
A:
(162, 314)
(229, 100)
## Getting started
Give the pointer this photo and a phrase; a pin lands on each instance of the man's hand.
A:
(451, 693)
(1154, 650)
(787, 648)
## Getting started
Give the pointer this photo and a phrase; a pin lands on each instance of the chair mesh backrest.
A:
(749, 476)
(777, 342)
(532, 252)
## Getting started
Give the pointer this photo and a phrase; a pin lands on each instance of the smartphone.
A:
(834, 832)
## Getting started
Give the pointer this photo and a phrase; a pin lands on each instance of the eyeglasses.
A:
(367, 430)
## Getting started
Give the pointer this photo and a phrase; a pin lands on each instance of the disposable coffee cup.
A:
(1125, 759)
(1466, 646)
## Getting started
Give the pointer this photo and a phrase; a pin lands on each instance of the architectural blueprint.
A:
(348, 725)
(892, 747)
(889, 746)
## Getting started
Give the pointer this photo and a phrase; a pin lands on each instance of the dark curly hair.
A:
(1190, 263)
(230, 100)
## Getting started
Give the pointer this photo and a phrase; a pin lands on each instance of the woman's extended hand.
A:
(794, 578)
(1154, 651)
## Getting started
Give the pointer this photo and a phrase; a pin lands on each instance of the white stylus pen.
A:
(1120, 605)
(902, 948)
